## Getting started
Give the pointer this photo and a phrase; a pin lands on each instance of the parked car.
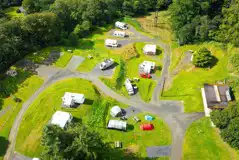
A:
(106, 63)
(145, 75)
(136, 119)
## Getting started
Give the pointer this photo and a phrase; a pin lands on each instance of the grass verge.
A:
(187, 84)
(204, 142)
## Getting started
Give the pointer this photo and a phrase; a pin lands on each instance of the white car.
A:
(106, 63)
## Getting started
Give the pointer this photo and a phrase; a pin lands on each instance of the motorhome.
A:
(111, 43)
(119, 34)
(121, 25)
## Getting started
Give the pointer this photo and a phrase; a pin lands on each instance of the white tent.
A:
(116, 124)
(121, 25)
(150, 49)
(61, 118)
(115, 111)
(119, 34)
(111, 43)
(147, 66)
(69, 99)
(129, 87)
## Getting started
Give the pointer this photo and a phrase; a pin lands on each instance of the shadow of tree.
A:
(86, 44)
(1, 103)
(3, 145)
(158, 51)
(9, 85)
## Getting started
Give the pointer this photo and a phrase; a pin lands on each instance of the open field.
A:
(26, 86)
(204, 142)
(187, 84)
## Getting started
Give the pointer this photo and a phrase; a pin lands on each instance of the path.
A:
(170, 111)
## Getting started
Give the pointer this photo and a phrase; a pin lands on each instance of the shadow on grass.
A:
(9, 85)
(214, 62)
(1, 103)
(3, 146)
(158, 51)
(86, 44)
(130, 127)
(88, 101)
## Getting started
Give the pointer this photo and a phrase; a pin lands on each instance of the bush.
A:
(121, 76)
(234, 61)
(202, 58)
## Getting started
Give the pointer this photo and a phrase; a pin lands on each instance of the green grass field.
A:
(63, 60)
(187, 84)
(202, 142)
(25, 90)
(41, 110)
(136, 140)
(133, 55)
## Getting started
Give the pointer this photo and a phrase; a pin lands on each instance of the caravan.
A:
(111, 43)
(121, 25)
(119, 34)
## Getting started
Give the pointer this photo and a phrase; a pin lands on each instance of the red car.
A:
(146, 127)
(145, 75)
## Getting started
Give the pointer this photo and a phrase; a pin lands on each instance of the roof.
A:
(116, 109)
(109, 41)
(120, 23)
(217, 95)
(128, 85)
(61, 118)
(69, 97)
(119, 32)
(150, 48)
(116, 124)
(147, 66)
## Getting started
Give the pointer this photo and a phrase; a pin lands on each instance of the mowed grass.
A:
(63, 60)
(41, 110)
(133, 55)
(25, 90)
(202, 142)
(135, 140)
(11, 12)
(187, 84)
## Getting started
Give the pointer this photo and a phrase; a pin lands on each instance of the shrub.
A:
(234, 61)
(202, 58)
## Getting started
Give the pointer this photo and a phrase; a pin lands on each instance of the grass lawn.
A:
(202, 142)
(187, 84)
(11, 12)
(63, 60)
(25, 90)
(135, 140)
(41, 110)
(133, 55)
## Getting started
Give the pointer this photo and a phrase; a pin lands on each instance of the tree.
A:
(76, 142)
(234, 61)
(220, 118)
(202, 58)
(231, 133)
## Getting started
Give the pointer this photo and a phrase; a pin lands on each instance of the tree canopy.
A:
(76, 142)
(202, 58)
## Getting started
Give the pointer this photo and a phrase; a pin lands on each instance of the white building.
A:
(115, 111)
(129, 86)
(150, 49)
(121, 25)
(116, 124)
(119, 34)
(147, 67)
(61, 118)
(70, 99)
(111, 43)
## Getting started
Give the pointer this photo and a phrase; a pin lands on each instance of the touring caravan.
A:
(111, 43)
(121, 25)
(119, 34)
